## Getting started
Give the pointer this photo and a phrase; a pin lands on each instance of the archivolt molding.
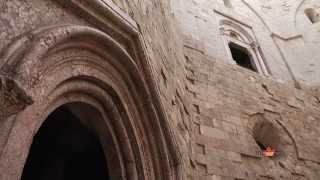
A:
(47, 57)
(229, 25)
(21, 63)
(111, 20)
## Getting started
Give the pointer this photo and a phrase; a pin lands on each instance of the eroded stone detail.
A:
(170, 96)
(12, 98)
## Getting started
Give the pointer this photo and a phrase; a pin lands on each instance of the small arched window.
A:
(227, 3)
(312, 15)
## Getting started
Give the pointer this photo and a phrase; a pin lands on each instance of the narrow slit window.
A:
(241, 56)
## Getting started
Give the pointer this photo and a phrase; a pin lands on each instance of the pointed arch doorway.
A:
(67, 146)
(102, 93)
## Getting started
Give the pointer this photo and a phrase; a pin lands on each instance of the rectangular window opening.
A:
(241, 56)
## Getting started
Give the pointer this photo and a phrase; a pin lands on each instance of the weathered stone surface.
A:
(12, 98)
(194, 111)
(289, 113)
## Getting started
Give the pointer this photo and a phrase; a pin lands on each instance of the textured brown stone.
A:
(169, 107)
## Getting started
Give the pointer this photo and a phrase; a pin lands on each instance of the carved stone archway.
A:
(65, 64)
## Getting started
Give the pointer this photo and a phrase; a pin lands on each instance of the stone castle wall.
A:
(228, 101)
(287, 38)
(214, 106)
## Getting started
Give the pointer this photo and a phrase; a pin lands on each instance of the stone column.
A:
(259, 61)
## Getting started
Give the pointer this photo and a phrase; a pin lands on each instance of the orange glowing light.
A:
(269, 152)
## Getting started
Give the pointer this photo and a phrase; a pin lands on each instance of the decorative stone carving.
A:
(12, 98)
(59, 56)
(68, 63)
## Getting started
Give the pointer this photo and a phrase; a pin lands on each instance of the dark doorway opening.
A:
(64, 148)
(241, 56)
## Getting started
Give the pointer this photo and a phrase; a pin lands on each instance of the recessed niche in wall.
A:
(266, 135)
(312, 15)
